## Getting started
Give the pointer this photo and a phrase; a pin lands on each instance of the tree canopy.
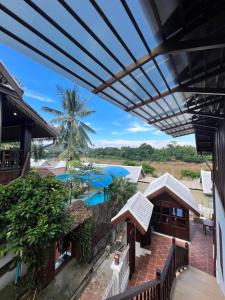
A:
(147, 152)
(32, 217)
(72, 130)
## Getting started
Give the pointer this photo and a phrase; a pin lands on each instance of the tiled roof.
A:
(139, 207)
(44, 172)
(175, 186)
(80, 212)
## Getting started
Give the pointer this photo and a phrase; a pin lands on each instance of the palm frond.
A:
(52, 111)
(87, 128)
(85, 113)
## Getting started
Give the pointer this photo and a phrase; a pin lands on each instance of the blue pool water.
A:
(96, 199)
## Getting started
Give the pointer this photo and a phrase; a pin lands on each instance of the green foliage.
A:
(129, 163)
(190, 173)
(148, 169)
(33, 216)
(72, 131)
(85, 235)
(147, 152)
(120, 191)
(75, 163)
(76, 191)
(37, 151)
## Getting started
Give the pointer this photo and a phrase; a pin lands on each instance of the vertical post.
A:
(187, 253)
(25, 141)
(131, 240)
(174, 256)
(0, 117)
(159, 286)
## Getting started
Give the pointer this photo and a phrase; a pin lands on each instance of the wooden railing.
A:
(11, 159)
(160, 288)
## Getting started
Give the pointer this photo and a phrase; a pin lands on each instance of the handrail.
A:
(168, 262)
(133, 292)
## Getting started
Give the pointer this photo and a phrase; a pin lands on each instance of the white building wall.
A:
(9, 276)
(220, 220)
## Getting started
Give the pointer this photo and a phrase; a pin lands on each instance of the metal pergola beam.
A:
(180, 88)
(164, 48)
(194, 123)
(188, 110)
(203, 91)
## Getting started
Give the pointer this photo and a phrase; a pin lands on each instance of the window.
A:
(221, 249)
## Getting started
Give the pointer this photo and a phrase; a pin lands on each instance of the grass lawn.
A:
(173, 167)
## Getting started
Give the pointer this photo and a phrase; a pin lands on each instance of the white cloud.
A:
(117, 124)
(37, 96)
(134, 143)
(136, 127)
(157, 132)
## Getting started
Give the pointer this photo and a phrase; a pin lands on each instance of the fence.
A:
(159, 288)
(119, 281)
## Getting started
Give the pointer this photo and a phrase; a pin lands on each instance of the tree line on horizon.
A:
(147, 152)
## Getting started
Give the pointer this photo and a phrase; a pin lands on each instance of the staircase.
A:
(160, 288)
(196, 285)
(140, 251)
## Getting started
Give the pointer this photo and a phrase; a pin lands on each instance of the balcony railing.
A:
(11, 159)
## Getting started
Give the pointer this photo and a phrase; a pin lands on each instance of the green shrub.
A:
(32, 218)
(190, 173)
(148, 169)
(129, 163)
(85, 235)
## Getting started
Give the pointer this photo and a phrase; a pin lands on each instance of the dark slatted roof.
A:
(162, 61)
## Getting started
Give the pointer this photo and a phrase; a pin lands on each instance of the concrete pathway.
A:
(66, 282)
(99, 281)
(196, 285)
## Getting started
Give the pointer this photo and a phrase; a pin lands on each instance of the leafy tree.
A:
(72, 131)
(120, 191)
(190, 173)
(32, 218)
(129, 163)
(146, 152)
(148, 169)
(37, 151)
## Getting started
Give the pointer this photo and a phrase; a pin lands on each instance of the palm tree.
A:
(72, 131)
(120, 191)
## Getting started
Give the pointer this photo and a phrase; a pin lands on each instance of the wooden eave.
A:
(127, 215)
(175, 197)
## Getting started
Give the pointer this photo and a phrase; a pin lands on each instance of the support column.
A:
(25, 142)
(131, 239)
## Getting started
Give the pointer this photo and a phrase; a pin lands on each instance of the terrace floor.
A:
(200, 255)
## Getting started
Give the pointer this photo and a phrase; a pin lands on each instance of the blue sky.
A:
(113, 126)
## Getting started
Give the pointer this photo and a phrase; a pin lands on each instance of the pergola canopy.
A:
(162, 61)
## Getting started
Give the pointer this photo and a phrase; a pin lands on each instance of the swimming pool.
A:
(96, 199)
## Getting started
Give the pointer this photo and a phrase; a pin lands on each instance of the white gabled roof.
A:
(135, 172)
(41, 163)
(206, 182)
(175, 186)
(140, 208)
(60, 164)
